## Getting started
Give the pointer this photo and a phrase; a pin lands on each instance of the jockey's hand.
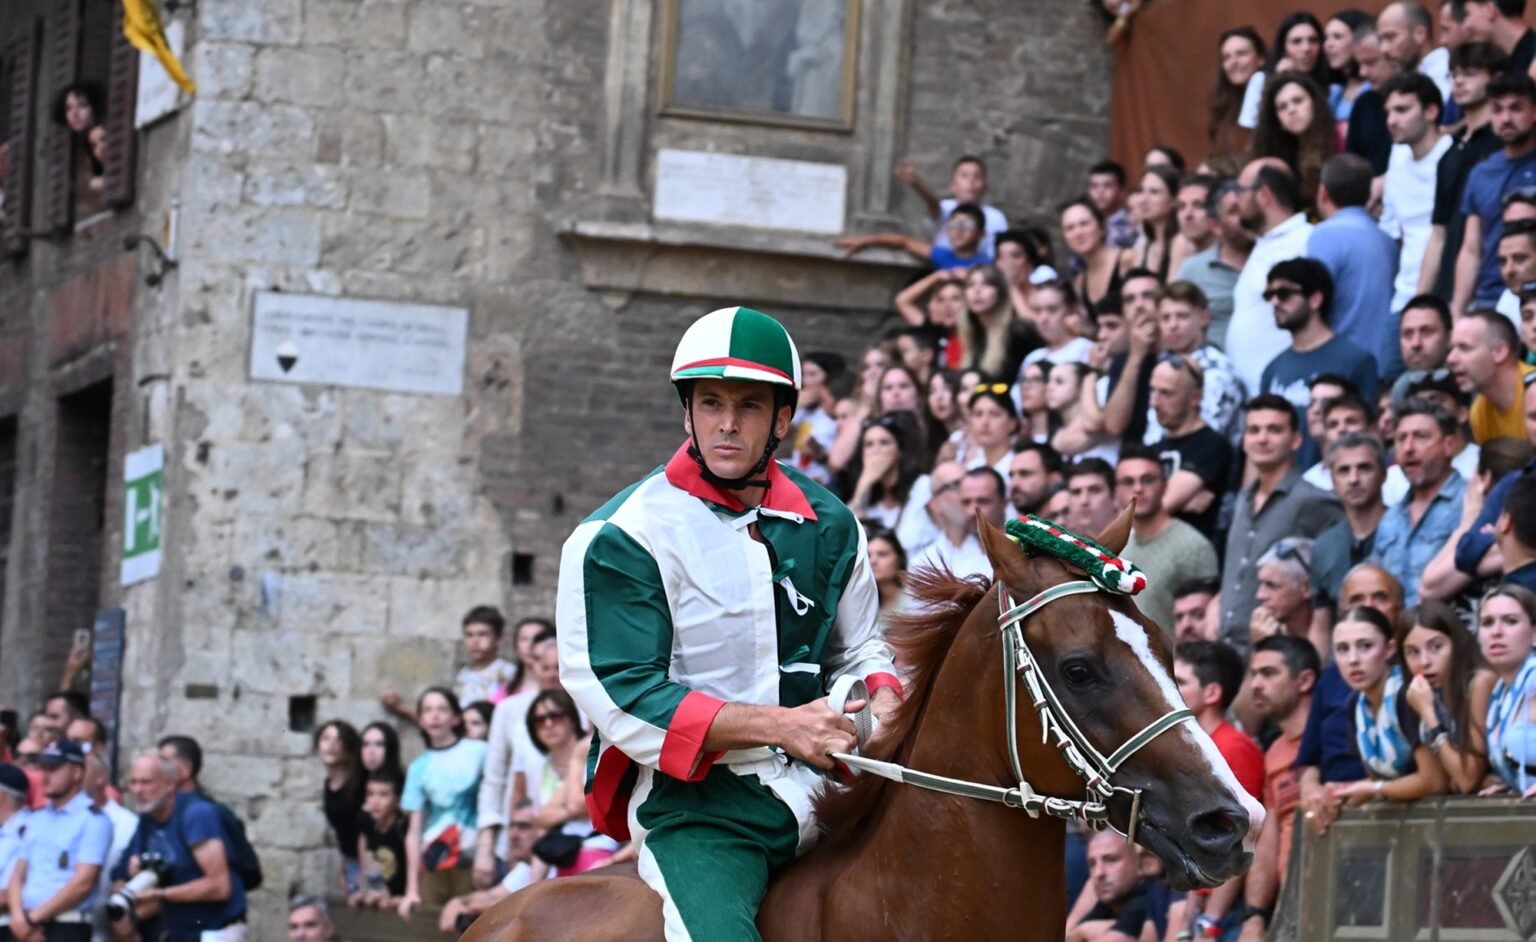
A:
(813, 732)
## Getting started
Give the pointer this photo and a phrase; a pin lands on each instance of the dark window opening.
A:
(301, 714)
(522, 569)
(77, 517)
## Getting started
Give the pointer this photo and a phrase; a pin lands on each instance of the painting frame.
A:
(674, 105)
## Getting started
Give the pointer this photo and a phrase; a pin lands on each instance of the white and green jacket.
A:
(668, 609)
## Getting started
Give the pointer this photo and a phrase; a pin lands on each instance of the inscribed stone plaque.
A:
(759, 192)
(412, 348)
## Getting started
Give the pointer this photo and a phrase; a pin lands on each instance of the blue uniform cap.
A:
(13, 781)
(59, 752)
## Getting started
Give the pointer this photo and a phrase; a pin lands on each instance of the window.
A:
(18, 91)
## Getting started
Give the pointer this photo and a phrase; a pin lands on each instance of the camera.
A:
(154, 869)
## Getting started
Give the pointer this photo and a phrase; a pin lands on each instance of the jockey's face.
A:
(731, 419)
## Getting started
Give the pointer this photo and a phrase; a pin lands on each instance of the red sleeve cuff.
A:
(682, 752)
(875, 681)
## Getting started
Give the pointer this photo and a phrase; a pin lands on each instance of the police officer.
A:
(14, 789)
(54, 886)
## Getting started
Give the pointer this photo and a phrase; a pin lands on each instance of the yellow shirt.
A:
(1489, 423)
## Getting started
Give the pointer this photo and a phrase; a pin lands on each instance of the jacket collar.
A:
(783, 495)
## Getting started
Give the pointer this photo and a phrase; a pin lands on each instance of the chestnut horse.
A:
(904, 862)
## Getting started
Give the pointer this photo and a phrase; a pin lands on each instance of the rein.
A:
(1109, 574)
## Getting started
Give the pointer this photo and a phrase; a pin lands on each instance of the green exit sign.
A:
(143, 512)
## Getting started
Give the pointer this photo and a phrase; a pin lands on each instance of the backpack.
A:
(242, 856)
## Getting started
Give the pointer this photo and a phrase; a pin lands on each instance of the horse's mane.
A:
(922, 639)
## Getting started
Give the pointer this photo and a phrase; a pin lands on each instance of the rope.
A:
(1110, 572)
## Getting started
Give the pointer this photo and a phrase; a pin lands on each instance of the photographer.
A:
(54, 883)
(198, 896)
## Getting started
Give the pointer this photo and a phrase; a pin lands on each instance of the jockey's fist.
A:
(813, 732)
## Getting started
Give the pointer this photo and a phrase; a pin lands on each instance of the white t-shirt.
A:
(1253, 97)
(1407, 202)
(1075, 350)
(475, 684)
(1437, 65)
(967, 559)
(996, 222)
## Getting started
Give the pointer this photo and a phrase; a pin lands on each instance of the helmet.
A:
(737, 343)
(741, 344)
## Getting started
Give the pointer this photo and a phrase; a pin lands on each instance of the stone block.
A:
(270, 21)
(309, 184)
(407, 665)
(402, 549)
(253, 477)
(401, 194)
(476, 90)
(304, 76)
(222, 69)
(506, 150)
(247, 128)
(423, 141)
(286, 542)
(353, 485)
(431, 608)
(229, 775)
(332, 603)
(370, 24)
(288, 824)
(428, 425)
(297, 661)
(267, 235)
(456, 29)
(384, 81)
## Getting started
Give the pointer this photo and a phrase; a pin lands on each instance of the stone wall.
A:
(322, 542)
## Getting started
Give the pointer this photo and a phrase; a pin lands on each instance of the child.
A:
(486, 675)
(381, 843)
(965, 228)
(967, 184)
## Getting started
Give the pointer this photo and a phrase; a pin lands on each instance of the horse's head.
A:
(1108, 670)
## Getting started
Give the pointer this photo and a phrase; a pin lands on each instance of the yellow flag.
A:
(142, 28)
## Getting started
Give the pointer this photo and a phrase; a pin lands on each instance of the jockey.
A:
(703, 613)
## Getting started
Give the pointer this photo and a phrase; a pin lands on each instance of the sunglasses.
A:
(1281, 294)
(996, 389)
(520, 826)
(1286, 549)
(541, 718)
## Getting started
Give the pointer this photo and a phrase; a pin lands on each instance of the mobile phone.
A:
(83, 638)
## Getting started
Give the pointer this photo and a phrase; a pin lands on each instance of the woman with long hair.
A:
(1159, 224)
(1506, 633)
(1034, 409)
(1065, 386)
(900, 391)
(1298, 47)
(441, 792)
(944, 404)
(1398, 765)
(339, 748)
(380, 750)
(994, 337)
(1241, 51)
(890, 460)
(555, 729)
(937, 300)
(1083, 230)
(888, 564)
(1296, 126)
(853, 411)
(1449, 692)
(1346, 83)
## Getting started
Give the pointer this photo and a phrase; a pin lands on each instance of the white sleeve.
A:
(856, 646)
(1253, 96)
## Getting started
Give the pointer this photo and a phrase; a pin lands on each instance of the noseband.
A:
(1081, 756)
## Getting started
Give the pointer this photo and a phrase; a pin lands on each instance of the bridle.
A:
(1081, 756)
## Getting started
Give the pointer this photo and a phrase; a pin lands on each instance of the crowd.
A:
(1305, 357)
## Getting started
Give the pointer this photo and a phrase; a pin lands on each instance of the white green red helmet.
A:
(737, 343)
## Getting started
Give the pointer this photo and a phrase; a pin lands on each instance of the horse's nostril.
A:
(1219, 831)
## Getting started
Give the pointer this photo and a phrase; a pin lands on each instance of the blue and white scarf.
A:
(1383, 746)
(1504, 710)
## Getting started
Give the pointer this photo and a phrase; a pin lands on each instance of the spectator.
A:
(1091, 490)
(936, 300)
(1196, 229)
(1453, 19)
(890, 460)
(1357, 467)
(1406, 32)
(55, 879)
(1513, 97)
(1284, 594)
(888, 564)
(1474, 65)
(380, 749)
(1360, 257)
(1271, 208)
(964, 231)
(382, 831)
(339, 748)
(1034, 410)
(1067, 389)
(1130, 358)
(1113, 905)
(186, 757)
(1035, 469)
(1367, 133)
(1209, 675)
(1505, 617)
(1412, 531)
(815, 425)
(994, 339)
(1498, 460)
(1274, 505)
(1159, 223)
(520, 834)
(1484, 358)
(1340, 412)
(1025, 259)
(1241, 51)
(1516, 534)
(440, 796)
(1050, 306)
(1502, 22)
(1106, 197)
(1414, 108)
(959, 549)
(1082, 229)
(993, 424)
(1281, 676)
(1296, 125)
(944, 405)
(1398, 765)
(1448, 692)
(63, 708)
(1170, 551)
(202, 896)
(1215, 270)
(1344, 71)
(15, 812)
(505, 743)
(1183, 317)
(309, 920)
(1424, 340)
(967, 184)
(854, 410)
(477, 720)
(555, 728)
(1298, 47)
(940, 509)
(1440, 387)
(1191, 610)
(1516, 253)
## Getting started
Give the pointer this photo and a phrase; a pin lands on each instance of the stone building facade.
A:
(322, 540)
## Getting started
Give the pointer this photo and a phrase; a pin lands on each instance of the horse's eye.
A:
(1077, 673)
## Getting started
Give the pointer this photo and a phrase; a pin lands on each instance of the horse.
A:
(902, 862)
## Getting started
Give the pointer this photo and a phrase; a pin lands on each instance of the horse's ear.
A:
(1002, 551)
(1118, 532)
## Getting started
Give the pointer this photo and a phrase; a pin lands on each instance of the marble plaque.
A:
(756, 192)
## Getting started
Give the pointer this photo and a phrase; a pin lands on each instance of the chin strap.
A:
(746, 480)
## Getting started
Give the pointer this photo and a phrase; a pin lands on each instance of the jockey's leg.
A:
(709, 848)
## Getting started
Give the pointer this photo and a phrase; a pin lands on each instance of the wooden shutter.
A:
(61, 34)
(122, 101)
(21, 57)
